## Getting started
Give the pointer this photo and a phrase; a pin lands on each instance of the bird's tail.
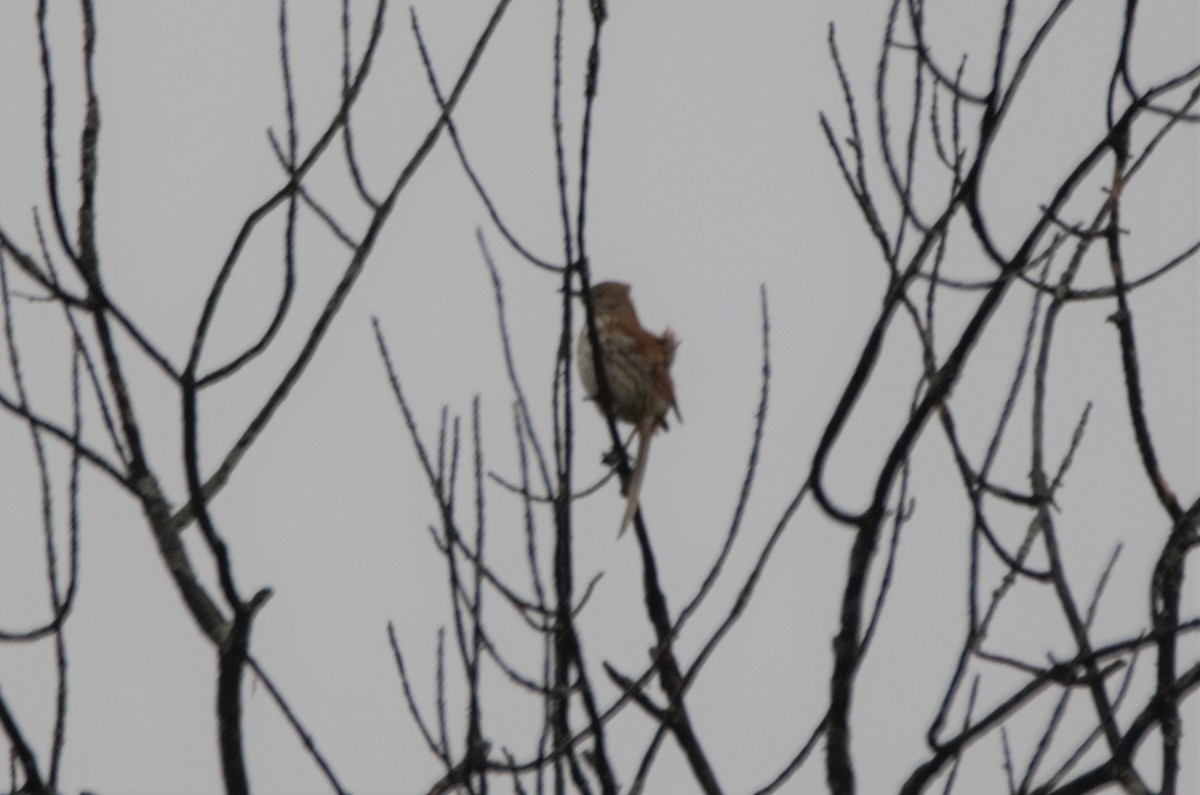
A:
(645, 434)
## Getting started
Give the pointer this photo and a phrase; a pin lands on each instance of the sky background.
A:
(709, 178)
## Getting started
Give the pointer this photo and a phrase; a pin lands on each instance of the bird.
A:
(637, 367)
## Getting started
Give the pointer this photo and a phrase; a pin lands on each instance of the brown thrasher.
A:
(637, 367)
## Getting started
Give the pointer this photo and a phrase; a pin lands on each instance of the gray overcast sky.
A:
(710, 177)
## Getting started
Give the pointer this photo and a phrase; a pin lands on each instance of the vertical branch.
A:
(585, 140)
(563, 627)
(476, 751)
(63, 604)
(560, 157)
(1123, 320)
(48, 134)
(669, 675)
(229, 709)
(21, 752)
(347, 137)
(20, 749)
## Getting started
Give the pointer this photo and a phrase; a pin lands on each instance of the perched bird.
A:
(637, 367)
